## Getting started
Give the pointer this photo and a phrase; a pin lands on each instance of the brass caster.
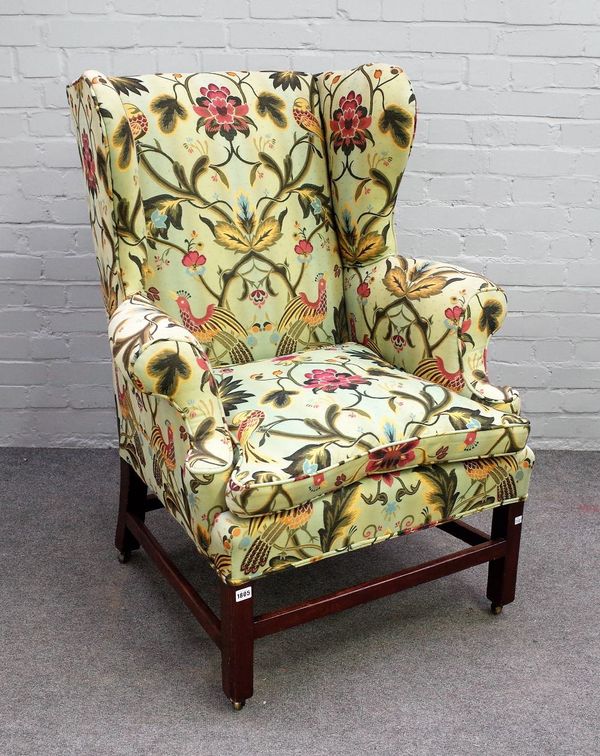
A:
(496, 608)
(124, 556)
(237, 705)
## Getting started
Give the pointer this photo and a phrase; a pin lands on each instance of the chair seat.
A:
(362, 514)
(313, 422)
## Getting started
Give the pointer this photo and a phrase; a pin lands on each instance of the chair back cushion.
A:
(210, 191)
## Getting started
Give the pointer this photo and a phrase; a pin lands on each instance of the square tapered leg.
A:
(502, 573)
(132, 499)
(237, 642)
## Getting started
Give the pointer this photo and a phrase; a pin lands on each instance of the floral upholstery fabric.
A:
(243, 217)
(370, 511)
(432, 319)
(221, 203)
(318, 420)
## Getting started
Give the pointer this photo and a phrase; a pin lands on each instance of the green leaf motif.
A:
(167, 368)
(338, 514)
(315, 454)
(204, 430)
(103, 170)
(278, 398)
(398, 122)
(269, 163)
(460, 417)
(442, 488)
(269, 104)
(221, 174)
(491, 316)
(127, 84)
(198, 169)
(380, 179)
(168, 110)
(123, 141)
(340, 324)
(232, 394)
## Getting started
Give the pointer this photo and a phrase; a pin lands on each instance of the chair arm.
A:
(431, 319)
(163, 359)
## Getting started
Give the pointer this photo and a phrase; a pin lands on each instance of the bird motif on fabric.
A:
(218, 325)
(433, 370)
(164, 451)
(247, 422)
(300, 314)
(305, 118)
(259, 551)
(480, 469)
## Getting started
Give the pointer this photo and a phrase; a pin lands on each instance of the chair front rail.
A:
(484, 549)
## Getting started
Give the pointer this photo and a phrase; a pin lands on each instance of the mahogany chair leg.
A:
(132, 499)
(237, 643)
(502, 573)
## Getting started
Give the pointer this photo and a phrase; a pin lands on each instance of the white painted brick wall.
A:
(503, 178)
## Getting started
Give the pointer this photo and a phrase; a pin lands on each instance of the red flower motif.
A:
(318, 479)
(399, 342)
(363, 290)
(339, 481)
(391, 458)
(349, 124)
(454, 314)
(153, 294)
(303, 248)
(330, 380)
(221, 112)
(89, 165)
(193, 259)
(183, 435)
(258, 297)
(470, 439)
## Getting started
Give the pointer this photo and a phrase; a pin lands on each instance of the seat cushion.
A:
(370, 511)
(312, 422)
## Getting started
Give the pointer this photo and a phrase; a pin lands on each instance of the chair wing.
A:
(114, 199)
(429, 318)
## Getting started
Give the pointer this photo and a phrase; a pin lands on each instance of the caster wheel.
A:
(237, 705)
(496, 608)
(124, 556)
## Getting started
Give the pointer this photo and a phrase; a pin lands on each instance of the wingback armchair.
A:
(287, 383)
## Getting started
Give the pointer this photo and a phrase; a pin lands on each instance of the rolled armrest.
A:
(430, 319)
(162, 358)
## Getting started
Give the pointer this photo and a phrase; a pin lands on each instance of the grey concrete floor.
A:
(102, 658)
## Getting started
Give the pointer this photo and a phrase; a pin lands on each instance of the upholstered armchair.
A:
(287, 383)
